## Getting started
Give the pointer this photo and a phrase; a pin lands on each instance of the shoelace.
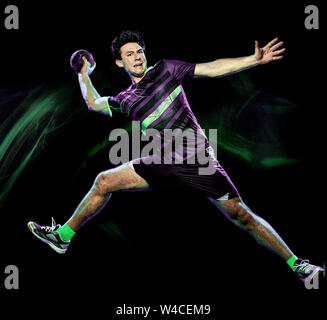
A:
(52, 228)
(304, 267)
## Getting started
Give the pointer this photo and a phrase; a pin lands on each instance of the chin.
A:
(138, 74)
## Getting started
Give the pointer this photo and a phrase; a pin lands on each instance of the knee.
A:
(102, 184)
(241, 214)
(244, 217)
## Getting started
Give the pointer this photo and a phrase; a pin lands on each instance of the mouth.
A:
(138, 65)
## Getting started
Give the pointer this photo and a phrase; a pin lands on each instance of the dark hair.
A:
(123, 38)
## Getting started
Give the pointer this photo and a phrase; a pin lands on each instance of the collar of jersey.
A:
(147, 70)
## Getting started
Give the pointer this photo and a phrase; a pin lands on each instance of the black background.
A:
(175, 248)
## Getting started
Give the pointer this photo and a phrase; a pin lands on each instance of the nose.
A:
(138, 56)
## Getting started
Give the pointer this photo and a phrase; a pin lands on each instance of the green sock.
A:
(291, 261)
(65, 232)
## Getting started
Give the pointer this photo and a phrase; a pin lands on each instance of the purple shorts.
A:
(186, 176)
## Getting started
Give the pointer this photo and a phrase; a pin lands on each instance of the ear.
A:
(119, 63)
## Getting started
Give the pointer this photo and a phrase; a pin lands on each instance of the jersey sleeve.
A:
(180, 69)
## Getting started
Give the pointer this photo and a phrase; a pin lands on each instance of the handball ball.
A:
(77, 62)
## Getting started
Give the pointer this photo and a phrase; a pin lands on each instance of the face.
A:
(132, 59)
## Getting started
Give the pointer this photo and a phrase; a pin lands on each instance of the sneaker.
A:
(305, 270)
(49, 236)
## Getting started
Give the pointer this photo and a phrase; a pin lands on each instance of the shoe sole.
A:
(52, 246)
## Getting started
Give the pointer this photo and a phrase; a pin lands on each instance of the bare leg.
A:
(260, 229)
(121, 178)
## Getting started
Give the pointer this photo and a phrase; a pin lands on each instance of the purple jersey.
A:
(158, 101)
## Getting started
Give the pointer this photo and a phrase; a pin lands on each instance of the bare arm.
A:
(91, 97)
(222, 67)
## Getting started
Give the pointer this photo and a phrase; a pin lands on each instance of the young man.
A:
(156, 99)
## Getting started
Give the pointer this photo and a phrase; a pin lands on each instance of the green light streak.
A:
(235, 133)
(25, 131)
(276, 162)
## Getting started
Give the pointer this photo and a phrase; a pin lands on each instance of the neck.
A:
(136, 79)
